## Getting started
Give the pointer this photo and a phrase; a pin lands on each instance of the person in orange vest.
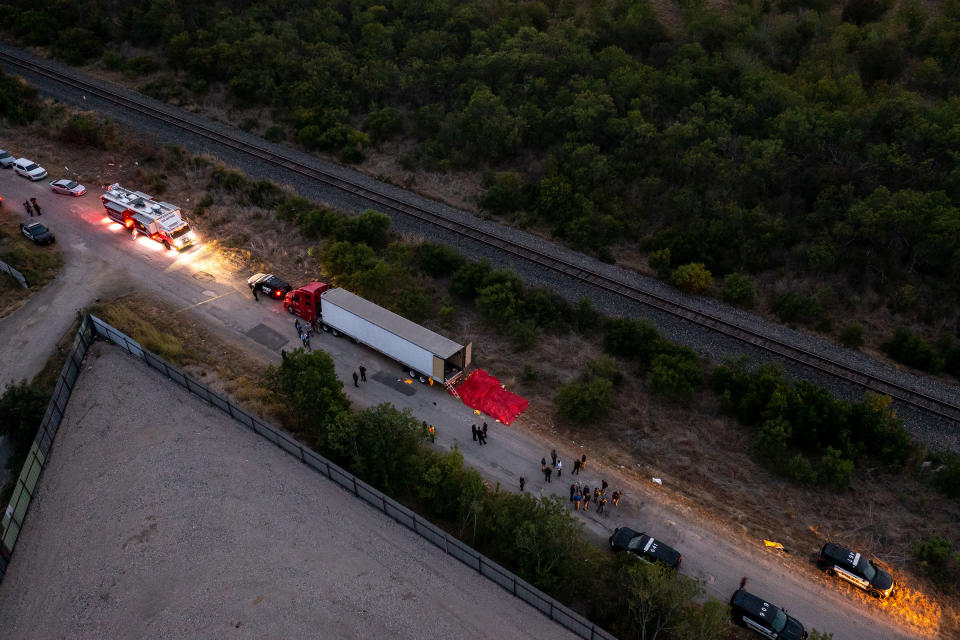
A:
(433, 434)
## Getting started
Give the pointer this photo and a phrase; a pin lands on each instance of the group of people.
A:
(480, 434)
(580, 495)
(31, 206)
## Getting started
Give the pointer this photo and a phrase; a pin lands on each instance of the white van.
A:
(29, 169)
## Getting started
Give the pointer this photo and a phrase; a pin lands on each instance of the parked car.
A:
(747, 610)
(67, 187)
(835, 560)
(269, 284)
(6, 160)
(645, 547)
(29, 169)
(36, 232)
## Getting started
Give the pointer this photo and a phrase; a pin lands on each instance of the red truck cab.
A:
(305, 301)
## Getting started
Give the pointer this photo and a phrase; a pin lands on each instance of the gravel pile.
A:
(160, 517)
(933, 431)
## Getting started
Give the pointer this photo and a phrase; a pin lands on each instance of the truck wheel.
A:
(336, 334)
(289, 308)
(423, 380)
(166, 245)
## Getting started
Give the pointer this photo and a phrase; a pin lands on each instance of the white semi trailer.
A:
(424, 354)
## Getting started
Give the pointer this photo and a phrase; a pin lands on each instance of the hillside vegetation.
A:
(796, 137)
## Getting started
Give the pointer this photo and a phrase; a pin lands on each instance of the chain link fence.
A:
(16, 275)
(92, 327)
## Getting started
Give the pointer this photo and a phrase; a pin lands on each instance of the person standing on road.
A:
(553, 458)
(596, 495)
(547, 472)
(355, 379)
(578, 499)
(306, 341)
(363, 373)
(481, 437)
(36, 207)
(576, 466)
(298, 327)
(255, 296)
(616, 497)
(484, 429)
(603, 485)
(433, 433)
(26, 205)
(473, 429)
(586, 498)
(573, 489)
(523, 483)
(559, 467)
(603, 503)
(583, 462)
(283, 354)
(543, 465)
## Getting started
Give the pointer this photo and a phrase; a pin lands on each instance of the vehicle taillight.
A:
(278, 293)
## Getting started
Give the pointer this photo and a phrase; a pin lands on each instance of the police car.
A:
(747, 610)
(269, 284)
(835, 560)
(644, 547)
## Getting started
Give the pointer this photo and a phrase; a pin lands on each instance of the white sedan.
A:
(67, 187)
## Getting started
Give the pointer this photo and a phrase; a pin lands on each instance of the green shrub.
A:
(692, 278)
(660, 260)
(438, 260)
(346, 258)
(772, 439)
(307, 388)
(249, 124)
(22, 406)
(800, 470)
(676, 374)
(504, 192)
(275, 133)
(372, 228)
(939, 562)
(851, 336)
(796, 307)
(586, 318)
(607, 368)
(141, 66)
(383, 124)
(77, 45)
(835, 470)
(322, 223)
(910, 349)
(585, 401)
(88, 131)
(292, 207)
(738, 290)
(633, 339)
(413, 303)
(18, 100)
(904, 298)
(470, 277)
(524, 334)
(947, 480)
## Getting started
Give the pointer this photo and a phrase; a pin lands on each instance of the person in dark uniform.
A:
(363, 373)
(473, 430)
(355, 378)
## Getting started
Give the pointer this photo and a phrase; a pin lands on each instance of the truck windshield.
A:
(779, 621)
(866, 569)
(185, 229)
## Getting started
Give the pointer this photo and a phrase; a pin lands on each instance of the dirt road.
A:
(102, 260)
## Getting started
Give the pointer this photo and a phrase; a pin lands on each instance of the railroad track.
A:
(784, 350)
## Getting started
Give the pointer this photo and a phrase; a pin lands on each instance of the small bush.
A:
(141, 66)
(851, 336)
(607, 368)
(438, 260)
(904, 298)
(738, 290)
(800, 470)
(660, 260)
(249, 124)
(835, 470)
(795, 307)
(676, 374)
(585, 401)
(947, 480)
(88, 131)
(586, 318)
(692, 278)
(372, 228)
(772, 440)
(524, 334)
(631, 338)
(383, 124)
(77, 45)
(470, 277)
(504, 192)
(938, 561)
(275, 133)
(910, 349)
(529, 374)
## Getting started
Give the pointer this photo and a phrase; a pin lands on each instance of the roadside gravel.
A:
(935, 432)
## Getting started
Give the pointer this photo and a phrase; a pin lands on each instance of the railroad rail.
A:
(780, 348)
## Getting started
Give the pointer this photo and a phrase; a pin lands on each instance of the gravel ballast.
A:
(160, 517)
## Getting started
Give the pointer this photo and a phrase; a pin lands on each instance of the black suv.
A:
(269, 284)
(36, 232)
(834, 560)
(747, 610)
(644, 547)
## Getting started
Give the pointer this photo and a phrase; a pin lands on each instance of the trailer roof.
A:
(397, 325)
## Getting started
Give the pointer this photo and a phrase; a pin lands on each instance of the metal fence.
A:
(440, 538)
(26, 484)
(16, 274)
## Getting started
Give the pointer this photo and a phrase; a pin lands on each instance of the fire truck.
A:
(140, 213)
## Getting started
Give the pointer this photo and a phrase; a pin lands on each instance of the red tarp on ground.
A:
(483, 392)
